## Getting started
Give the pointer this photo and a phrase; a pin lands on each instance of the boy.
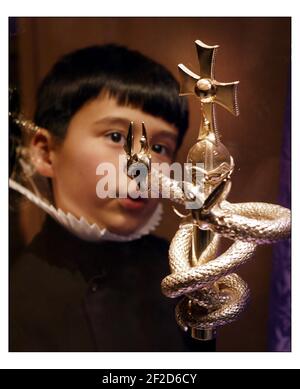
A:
(68, 294)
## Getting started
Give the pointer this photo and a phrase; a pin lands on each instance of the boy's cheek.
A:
(78, 170)
(77, 161)
(90, 152)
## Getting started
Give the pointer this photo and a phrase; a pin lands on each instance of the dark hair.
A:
(127, 75)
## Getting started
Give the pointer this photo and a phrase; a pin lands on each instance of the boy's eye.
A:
(116, 137)
(160, 149)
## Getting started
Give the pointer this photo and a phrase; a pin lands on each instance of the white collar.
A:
(81, 227)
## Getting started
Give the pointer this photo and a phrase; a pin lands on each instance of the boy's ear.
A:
(42, 147)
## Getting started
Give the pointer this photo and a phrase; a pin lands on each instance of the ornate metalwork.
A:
(213, 294)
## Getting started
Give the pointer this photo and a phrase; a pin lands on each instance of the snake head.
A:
(210, 210)
(141, 160)
(219, 194)
(216, 196)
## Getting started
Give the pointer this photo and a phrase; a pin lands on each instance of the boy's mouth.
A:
(133, 204)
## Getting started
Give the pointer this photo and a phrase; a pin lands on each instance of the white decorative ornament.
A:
(81, 227)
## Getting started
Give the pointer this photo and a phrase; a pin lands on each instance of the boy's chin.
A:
(124, 229)
(121, 222)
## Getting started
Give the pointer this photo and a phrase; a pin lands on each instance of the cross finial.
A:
(208, 90)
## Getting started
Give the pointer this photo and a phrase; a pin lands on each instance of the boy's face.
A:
(95, 135)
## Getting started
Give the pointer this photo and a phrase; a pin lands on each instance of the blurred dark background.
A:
(255, 51)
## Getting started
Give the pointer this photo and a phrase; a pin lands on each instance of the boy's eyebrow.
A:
(166, 133)
(113, 120)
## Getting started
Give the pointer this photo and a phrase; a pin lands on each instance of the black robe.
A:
(67, 294)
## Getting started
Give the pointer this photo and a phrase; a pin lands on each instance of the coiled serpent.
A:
(214, 295)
